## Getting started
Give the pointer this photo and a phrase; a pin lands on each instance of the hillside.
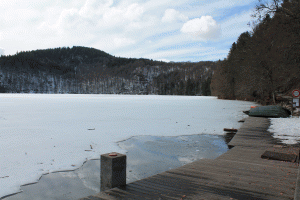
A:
(263, 64)
(88, 70)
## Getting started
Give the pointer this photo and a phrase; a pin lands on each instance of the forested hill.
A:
(264, 63)
(88, 70)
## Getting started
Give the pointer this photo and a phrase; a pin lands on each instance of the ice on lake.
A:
(42, 133)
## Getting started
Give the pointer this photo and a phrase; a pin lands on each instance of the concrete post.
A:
(113, 170)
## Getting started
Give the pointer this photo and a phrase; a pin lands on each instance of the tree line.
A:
(265, 62)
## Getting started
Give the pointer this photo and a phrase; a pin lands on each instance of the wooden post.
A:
(113, 171)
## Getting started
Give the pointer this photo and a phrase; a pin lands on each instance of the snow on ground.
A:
(42, 133)
(286, 129)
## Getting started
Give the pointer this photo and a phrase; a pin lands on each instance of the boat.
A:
(273, 111)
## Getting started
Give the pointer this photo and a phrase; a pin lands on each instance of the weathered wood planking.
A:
(240, 173)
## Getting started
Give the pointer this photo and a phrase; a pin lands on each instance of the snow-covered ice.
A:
(287, 130)
(42, 133)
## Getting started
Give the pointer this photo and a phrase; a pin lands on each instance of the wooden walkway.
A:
(240, 173)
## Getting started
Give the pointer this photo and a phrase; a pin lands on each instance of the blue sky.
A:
(168, 30)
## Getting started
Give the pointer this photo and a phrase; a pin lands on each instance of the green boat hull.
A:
(268, 111)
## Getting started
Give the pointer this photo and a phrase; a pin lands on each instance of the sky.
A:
(167, 30)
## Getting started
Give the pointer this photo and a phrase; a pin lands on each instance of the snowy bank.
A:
(287, 130)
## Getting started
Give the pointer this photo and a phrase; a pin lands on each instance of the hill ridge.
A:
(88, 70)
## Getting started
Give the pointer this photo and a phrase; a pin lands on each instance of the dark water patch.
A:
(228, 136)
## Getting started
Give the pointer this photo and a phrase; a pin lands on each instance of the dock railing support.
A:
(113, 171)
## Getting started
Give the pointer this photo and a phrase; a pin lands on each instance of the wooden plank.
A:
(154, 193)
(125, 194)
(159, 189)
(229, 181)
(167, 185)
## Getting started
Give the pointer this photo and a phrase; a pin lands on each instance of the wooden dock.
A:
(240, 173)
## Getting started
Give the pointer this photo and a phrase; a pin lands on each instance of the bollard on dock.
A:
(113, 171)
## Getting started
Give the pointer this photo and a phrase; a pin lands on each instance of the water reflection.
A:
(146, 156)
(149, 155)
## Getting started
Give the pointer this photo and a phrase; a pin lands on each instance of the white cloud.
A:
(94, 18)
(134, 12)
(205, 28)
(119, 16)
(2, 51)
(95, 7)
(121, 42)
(172, 15)
(68, 19)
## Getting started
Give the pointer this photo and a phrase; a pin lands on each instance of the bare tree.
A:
(275, 6)
(268, 8)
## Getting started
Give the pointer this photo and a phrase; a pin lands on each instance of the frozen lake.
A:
(42, 133)
(146, 156)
